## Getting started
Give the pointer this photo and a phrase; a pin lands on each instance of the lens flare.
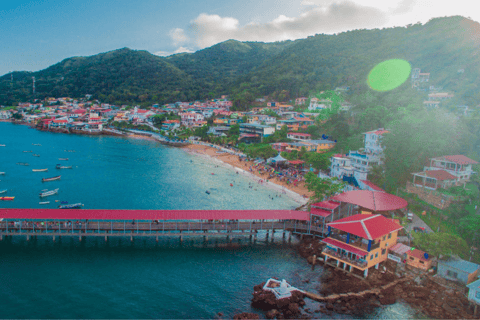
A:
(388, 75)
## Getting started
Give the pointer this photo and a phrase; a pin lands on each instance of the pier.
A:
(154, 223)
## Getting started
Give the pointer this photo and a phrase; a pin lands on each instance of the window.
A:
(412, 258)
(384, 237)
(422, 262)
(376, 255)
(371, 257)
(452, 274)
(384, 251)
(477, 295)
(389, 236)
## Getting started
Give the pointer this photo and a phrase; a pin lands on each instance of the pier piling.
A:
(106, 238)
(131, 238)
(80, 238)
(53, 238)
(314, 261)
(1, 237)
(156, 238)
(28, 237)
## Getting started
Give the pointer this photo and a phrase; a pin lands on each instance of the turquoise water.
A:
(144, 279)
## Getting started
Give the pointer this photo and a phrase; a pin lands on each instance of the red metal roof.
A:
(101, 214)
(459, 159)
(296, 161)
(378, 132)
(368, 226)
(376, 201)
(332, 205)
(419, 254)
(440, 175)
(300, 134)
(320, 212)
(372, 185)
(400, 248)
(343, 245)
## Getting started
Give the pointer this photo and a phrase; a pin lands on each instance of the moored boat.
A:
(2, 145)
(51, 179)
(36, 144)
(71, 206)
(28, 151)
(66, 159)
(44, 202)
(40, 170)
(63, 167)
(36, 155)
(48, 193)
(3, 191)
(2, 173)
(7, 198)
(22, 164)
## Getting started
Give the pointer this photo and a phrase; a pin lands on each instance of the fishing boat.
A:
(69, 150)
(51, 179)
(71, 206)
(40, 170)
(44, 202)
(3, 191)
(7, 198)
(63, 167)
(22, 164)
(63, 202)
(2, 145)
(28, 151)
(49, 193)
(2, 173)
(207, 192)
(66, 159)
(36, 144)
(36, 155)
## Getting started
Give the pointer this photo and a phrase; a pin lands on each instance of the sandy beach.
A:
(299, 193)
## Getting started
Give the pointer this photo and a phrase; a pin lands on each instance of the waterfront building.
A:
(360, 242)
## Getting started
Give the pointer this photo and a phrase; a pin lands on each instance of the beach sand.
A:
(298, 193)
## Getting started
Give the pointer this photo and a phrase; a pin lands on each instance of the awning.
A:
(344, 246)
(320, 212)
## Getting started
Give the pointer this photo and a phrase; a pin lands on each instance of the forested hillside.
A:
(246, 70)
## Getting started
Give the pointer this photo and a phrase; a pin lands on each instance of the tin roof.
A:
(461, 265)
(368, 226)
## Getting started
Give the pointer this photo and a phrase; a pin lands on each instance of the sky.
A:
(37, 34)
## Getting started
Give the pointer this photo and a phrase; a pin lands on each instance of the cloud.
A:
(179, 50)
(207, 30)
(405, 6)
(178, 36)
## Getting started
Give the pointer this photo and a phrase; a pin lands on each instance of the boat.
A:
(51, 179)
(66, 159)
(71, 206)
(69, 150)
(2, 173)
(44, 202)
(207, 192)
(2, 145)
(22, 164)
(63, 167)
(3, 191)
(49, 193)
(36, 155)
(28, 151)
(7, 198)
(36, 144)
(40, 170)
(64, 202)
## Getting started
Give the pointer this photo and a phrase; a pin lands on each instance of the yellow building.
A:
(360, 242)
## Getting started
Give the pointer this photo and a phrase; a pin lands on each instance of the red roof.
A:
(343, 245)
(368, 226)
(300, 134)
(79, 111)
(60, 121)
(332, 205)
(379, 132)
(440, 175)
(458, 159)
(376, 201)
(296, 161)
(152, 214)
(419, 254)
(320, 212)
(372, 185)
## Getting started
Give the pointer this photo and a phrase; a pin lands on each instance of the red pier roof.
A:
(104, 214)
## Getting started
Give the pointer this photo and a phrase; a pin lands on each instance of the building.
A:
(360, 241)
(459, 166)
(439, 96)
(434, 179)
(419, 259)
(458, 270)
(474, 292)
(300, 101)
(5, 115)
(257, 129)
(298, 136)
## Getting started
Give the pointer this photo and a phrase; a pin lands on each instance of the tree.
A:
(469, 227)
(440, 243)
(234, 130)
(319, 161)
(377, 175)
(323, 188)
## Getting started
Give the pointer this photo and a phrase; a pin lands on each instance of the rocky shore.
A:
(345, 294)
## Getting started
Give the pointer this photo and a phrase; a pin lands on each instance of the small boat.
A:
(71, 206)
(49, 193)
(64, 202)
(66, 159)
(2, 173)
(22, 164)
(51, 179)
(63, 167)
(231, 185)
(69, 150)
(36, 155)
(28, 151)
(7, 198)
(3, 191)
(44, 202)
(36, 144)
(2, 145)
(207, 192)
(40, 170)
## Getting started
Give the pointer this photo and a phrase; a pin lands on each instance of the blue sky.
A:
(37, 34)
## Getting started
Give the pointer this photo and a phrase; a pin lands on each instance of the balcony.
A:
(357, 243)
(360, 263)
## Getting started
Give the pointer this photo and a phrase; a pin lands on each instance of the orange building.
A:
(360, 241)
(419, 259)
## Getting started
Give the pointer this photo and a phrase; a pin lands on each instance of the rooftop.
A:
(368, 226)
(460, 264)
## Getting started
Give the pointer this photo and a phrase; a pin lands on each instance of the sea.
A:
(142, 279)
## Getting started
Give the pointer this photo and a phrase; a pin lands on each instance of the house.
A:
(218, 131)
(456, 269)
(169, 125)
(434, 179)
(459, 166)
(439, 96)
(5, 115)
(474, 292)
(360, 242)
(300, 101)
(256, 129)
(299, 136)
(317, 104)
(419, 259)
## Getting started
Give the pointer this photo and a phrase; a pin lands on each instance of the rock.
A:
(449, 309)
(246, 316)
(258, 287)
(220, 314)
(329, 306)
(387, 299)
(418, 280)
(272, 314)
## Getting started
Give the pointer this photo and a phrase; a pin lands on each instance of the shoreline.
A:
(298, 193)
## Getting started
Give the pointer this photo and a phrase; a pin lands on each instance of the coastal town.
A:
(356, 228)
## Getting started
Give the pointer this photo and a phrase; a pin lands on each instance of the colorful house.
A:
(474, 292)
(459, 270)
(360, 241)
(419, 259)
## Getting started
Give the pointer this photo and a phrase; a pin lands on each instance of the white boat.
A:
(36, 144)
(3, 191)
(44, 202)
(49, 193)
(40, 170)
(2, 145)
(65, 159)
(2, 173)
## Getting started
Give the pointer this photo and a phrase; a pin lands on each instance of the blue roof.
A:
(462, 265)
(474, 284)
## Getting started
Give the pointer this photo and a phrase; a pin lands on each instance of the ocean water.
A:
(141, 279)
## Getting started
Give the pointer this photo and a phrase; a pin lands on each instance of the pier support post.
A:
(205, 238)
(106, 238)
(181, 239)
(53, 238)
(28, 237)
(283, 235)
(80, 238)
(250, 238)
(314, 261)
(1, 237)
(289, 237)
(131, 238)
(156, 238)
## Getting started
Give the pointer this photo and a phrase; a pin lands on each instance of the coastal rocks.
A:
(246, 316)
(288, 308)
